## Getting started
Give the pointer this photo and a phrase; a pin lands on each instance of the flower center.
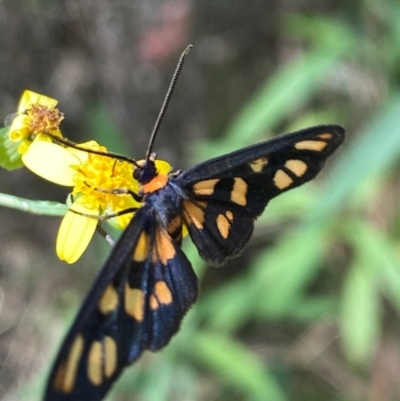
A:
(96, 178)
(44, 118)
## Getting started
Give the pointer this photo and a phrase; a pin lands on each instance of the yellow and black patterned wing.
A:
(136, 304)
(226, 194)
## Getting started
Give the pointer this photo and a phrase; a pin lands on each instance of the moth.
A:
(147, 284)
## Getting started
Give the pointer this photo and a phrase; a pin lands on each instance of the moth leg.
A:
(99, 228)
(118, 191)
(106, 216)
(105, 235)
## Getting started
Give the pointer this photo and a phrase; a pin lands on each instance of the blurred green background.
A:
(310, 311)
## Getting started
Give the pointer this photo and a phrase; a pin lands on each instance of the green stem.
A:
(47, 208)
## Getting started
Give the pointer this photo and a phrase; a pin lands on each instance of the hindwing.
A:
(136, 304)
(218, 230)
(226, 194)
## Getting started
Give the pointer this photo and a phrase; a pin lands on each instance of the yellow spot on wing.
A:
(153, 303)
(109, 300)
(223, 225)
(134, 302)
(311, 145)
(239, 191)
(229, 215)
(165, 248)
(142, 248)
(205, 187)
(175, 224)
(162, 292)
(94, 366)
(297, 167)
(326, 135)
(282, 180)
(258, 165)
(66, 373)
(194, 214)
(111, 356)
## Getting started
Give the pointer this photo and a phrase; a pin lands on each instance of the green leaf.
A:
(313, 308)
(235, 366)
(324, 33)
(275, 284)
(360, 303)
(360, 315)
(383, 256)
(374, 149)
(285, 271)
(390, 275)
(9, 156)
(235, 302)
(159, 382)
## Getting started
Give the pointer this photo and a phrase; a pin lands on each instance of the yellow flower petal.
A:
(19, 128)
(82, 155)
(163, 167)
(23, 147)
(29, 98)
(51, 162)
(18, 135)
(75, 232)
(185, 230)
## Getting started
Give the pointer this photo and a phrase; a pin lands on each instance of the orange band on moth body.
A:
(158, 182)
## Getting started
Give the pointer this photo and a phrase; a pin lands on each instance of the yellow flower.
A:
(37, 115)
(93, 178)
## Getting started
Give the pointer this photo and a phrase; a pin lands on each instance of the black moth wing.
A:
(136, 303)
(226, 194)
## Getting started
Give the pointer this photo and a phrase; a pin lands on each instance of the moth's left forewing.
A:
(313, 145)
(135, 307)
(260, 172)
(94, 352)
(225, 195)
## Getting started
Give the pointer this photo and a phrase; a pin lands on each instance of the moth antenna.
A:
(68, 142)
(167, 100)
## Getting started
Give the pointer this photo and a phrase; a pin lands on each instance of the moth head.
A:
(145, 170)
